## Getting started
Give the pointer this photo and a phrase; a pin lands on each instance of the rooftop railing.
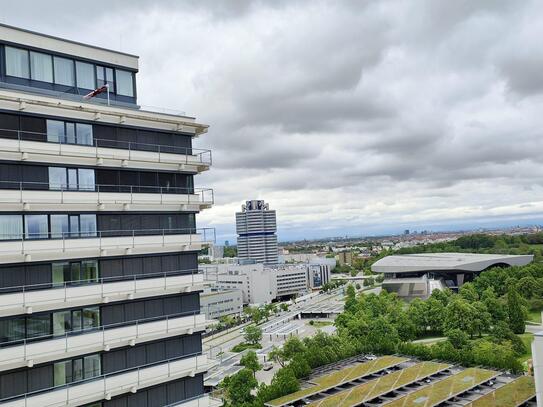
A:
(191, 155)
(192, 195)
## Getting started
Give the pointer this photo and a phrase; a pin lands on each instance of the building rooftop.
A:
(446, 261)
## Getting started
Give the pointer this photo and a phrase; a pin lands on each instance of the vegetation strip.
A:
(444, 389)
(512, 394)
(375, 388)
(341, 377)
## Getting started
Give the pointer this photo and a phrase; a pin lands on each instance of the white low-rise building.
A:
(219, 303)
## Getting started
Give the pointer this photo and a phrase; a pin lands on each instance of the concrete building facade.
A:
(256, 226)
(99, 280)
(220, 303)
(537, 360)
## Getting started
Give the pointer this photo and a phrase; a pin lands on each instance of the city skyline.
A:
(426, 124)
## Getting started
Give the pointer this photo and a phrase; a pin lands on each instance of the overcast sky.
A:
(348, 117)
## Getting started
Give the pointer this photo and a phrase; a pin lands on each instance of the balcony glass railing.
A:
(194, 195)
(191, 155)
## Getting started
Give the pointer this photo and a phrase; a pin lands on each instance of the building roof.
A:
(446, 261)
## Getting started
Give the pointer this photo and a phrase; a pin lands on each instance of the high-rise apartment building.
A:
(99, 281)
(256, 227)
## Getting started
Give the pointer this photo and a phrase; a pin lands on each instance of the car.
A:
(267, 366)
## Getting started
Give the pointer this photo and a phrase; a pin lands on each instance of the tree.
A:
(460, 314)
(515, 311)
(284, 306)
(459, 339)
(250, 361)
(237, 389)
(283, 382)
(276, 354)
(292, 347)
(468, 292)
(253, 334)
(350, 302)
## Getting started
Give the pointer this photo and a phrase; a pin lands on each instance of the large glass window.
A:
(62, 322)
(125, 83)
(69, 371)
(55, 131)
(89, 270)
(37, 325)
(11, 227)
(12, 329)
(91, 318)
(85, 75)
(80, 272)
(64, 71)
(41, 67)
(86, 179)
(92, 366)
(88, 225)
(105, 75)
(36, 227)
(57, 178)
(84, 134)
(62, 372)
(60, 273)
(17, 62)
(59, 227)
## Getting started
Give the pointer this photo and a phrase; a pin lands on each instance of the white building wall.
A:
(216, 304)
(537, 354)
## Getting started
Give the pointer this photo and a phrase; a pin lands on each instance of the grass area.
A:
(240, 347)
(534, 316)
(320, 324)
(375, 388)
(339, 377)
(442, 390)
(527, 339)
(511, 395)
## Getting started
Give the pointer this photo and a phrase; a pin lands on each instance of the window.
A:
(12, 329)
(88, 225)
(85, 75)
(59, 227)
(84, 134)
(17, 62)
(11, 227)
(69, 371)
(62, 322)
(89, 270)
(92, 366)
(57, 178)
(86, 179)
(62, 372)
(37, 325)
(55, 131)
(41, 67)
(70, 133)
(125, 83)
(36, 227)
(91, 318)
(64, 71)
(105, 75)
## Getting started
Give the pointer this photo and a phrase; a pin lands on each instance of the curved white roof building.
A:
(417, 275)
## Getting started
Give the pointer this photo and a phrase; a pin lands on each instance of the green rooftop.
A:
(339, 377)
(512, 394)
(442, 390)
(377, 387)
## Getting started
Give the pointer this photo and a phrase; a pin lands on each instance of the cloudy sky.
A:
(348, 117)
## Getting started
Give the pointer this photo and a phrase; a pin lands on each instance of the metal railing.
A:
(202, 400)
(103, 328)
(133, 233)
(192, 155)
(198, 367)
(61, 289)
(194, 195)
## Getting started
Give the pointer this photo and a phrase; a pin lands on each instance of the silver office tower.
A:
(256, 226)
(99, 280)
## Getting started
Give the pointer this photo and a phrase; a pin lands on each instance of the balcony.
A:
(30, 146)
(108, 386)
(43, 297)
(97, 244)
(41, 196)
(204, 400)
(33, 351)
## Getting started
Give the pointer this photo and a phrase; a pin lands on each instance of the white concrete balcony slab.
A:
(28, 196)
(108, 386)
(18, 249)
(108, 153)
(35, 351)
(44, 297)
(203, 401)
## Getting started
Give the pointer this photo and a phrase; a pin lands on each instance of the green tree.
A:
(237, 389)
(250, 361)
(252, 334)
(460, 314)
(468, 292)
(515, 311)
(459, 339)
(276, 354)
(284, 382)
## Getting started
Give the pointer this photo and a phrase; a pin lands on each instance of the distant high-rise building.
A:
(256, 227)
(406, 232)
